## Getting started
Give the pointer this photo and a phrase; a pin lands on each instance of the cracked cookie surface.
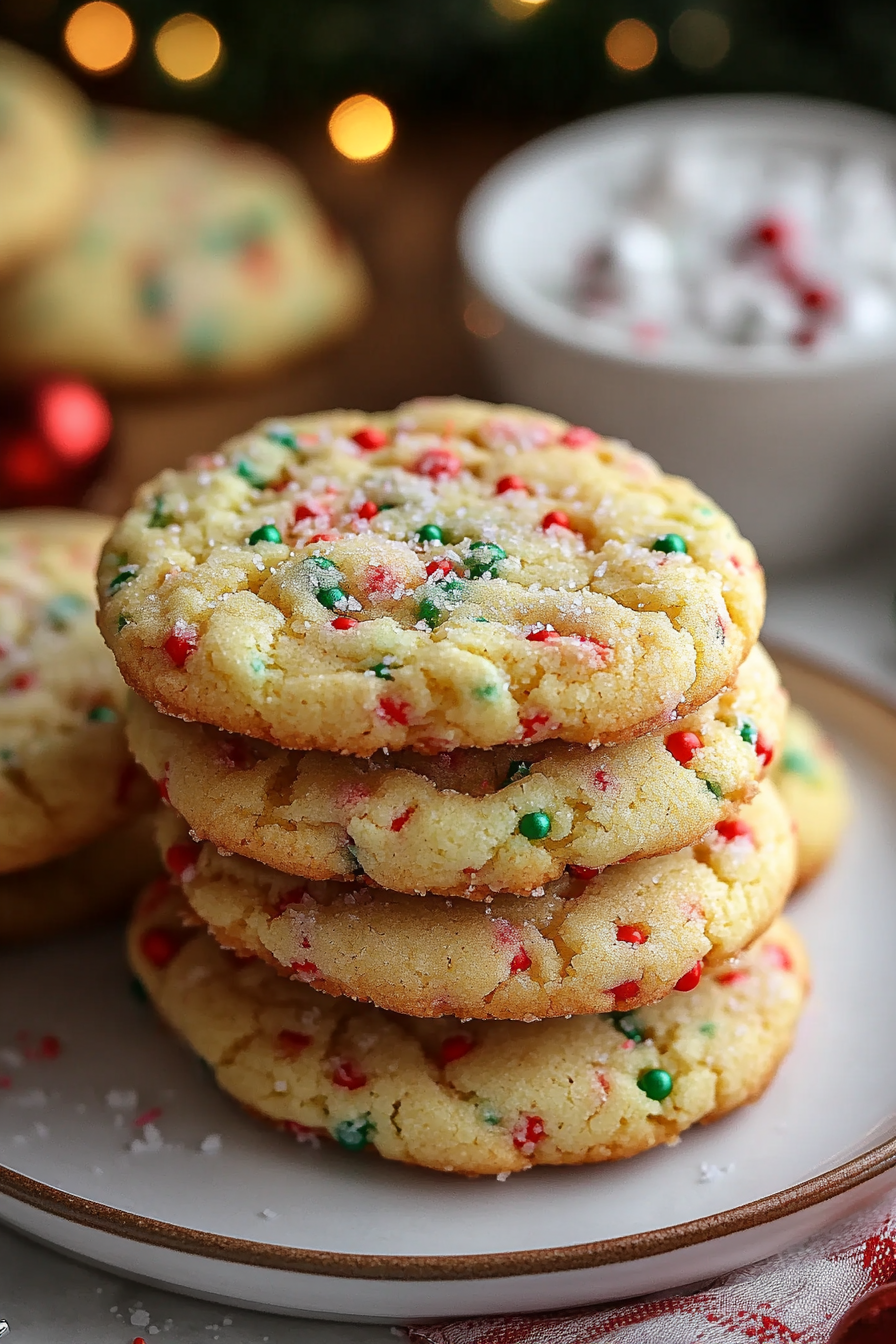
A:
(66, 774)
(456, 824)
(450, 574)
(627, 937)
(811, 778)
(474, 1098)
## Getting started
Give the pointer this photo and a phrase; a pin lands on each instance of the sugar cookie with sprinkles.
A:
(92, 884)
(66, 775)
(622, 939)
(468, 822)
(477, 1098)
(46, 152)
(811, 777)
(198, 256)
(450, 574)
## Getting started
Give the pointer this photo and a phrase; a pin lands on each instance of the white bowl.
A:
(797, 445)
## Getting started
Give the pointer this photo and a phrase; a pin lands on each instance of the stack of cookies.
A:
(76, 840)
(463, 730)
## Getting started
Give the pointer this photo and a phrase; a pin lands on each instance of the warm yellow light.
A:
(362, 127)
(631, 44)
(99, 37)
(516, 9)
(699, 38)
(188, 47)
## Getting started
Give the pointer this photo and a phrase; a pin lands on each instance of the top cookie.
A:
(65, 773)
(450, 574)
(45, 152)
(199, 255)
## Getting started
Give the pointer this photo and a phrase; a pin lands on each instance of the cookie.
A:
(45, 155)
(92, 884)
(476, 1098)
(451, 574)
(470, 821)
(199, 256)
(624, 938)
(811, 778)
(66, 774)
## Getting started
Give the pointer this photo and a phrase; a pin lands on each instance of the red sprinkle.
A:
(305, 968)
(543, 636)
(630, 933)
(764, 750)
(162, 786)
(531, 724)
(602, 780)
(438, 464)
(732, 977)
(181, 860)
(370, 439)
(778, 956)
(443, 567)
(159, 946)
(683, 746)
(454, 1047)
(401, 821)
(556, 518)
(577, 436)
(735, 829)
(344, 623)
(772, 232)
(292, 1043)
(368, 509)
(521, 962)
(139, 1340)
(510, 483)
(347, 1074)
(394, 711)
(690, 979)
(527, 1131)
(627, 990)
(584, 874)
(805, 336)
(147, 1118)
(312, 510)
(49, 1047)
(323, 536)
(818, 299)
(182, 641)
(23, 681)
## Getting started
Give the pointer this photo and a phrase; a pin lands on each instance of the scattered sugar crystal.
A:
(140, 1318)
(40, 1130)
(153, 1329)
(36, 1097)
(709, 1172)
(11, 1059)
(280, 1085)
(503, 1175)
(267, 1213)
(211, 1144)
(151, 1142)
(121, 1099)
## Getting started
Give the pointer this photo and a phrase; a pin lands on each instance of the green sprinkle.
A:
(516, 770)
(354, 1134)
(483, 619)
(429, 612)
(383, 671)
(535, 825)
(258, 665)
(123, 577)
(708, 1028)
(357, 865)
(487, 692)
(430, 532)
(671, 544)
(714, 788)
(383, 508)
(656, 1084)
(280, 434)
(320, 562)
(102, 714)
(62, 610)
(749, 732)
(248, 473)
(137, 991)
(202, 339)
(267, 532)
(330, 597)
(629, 1026)
(798, 762)
(153, 295)
(158, 517)
(485, 557)
(488, 1113)
(124, 619)
(7, 755)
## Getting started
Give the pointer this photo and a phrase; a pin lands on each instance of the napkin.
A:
(796, 1297)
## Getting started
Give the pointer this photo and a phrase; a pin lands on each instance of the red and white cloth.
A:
(794, 1298)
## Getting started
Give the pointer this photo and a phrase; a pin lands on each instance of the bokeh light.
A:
(517, 9)
(699, 38)
(74, 419)
(188, 47)
(361, 127)
(99, 37)
(631, 45)
(482, 320)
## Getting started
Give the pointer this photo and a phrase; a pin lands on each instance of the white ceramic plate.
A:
(355, 1237)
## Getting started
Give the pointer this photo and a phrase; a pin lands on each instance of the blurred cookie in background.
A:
(46, 148)
(811, 778)
(199, 256)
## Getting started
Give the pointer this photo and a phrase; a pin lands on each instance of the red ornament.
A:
(818, 299)
(683, 746)
(49, 1047)
(510, 483)
(630, 933)
(370, 439)
(691, 979)
(556, 518)
(53, 436)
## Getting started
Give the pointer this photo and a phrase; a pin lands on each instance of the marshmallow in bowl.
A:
(709, 243)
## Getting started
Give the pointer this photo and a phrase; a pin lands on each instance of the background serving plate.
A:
(220, 1206)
